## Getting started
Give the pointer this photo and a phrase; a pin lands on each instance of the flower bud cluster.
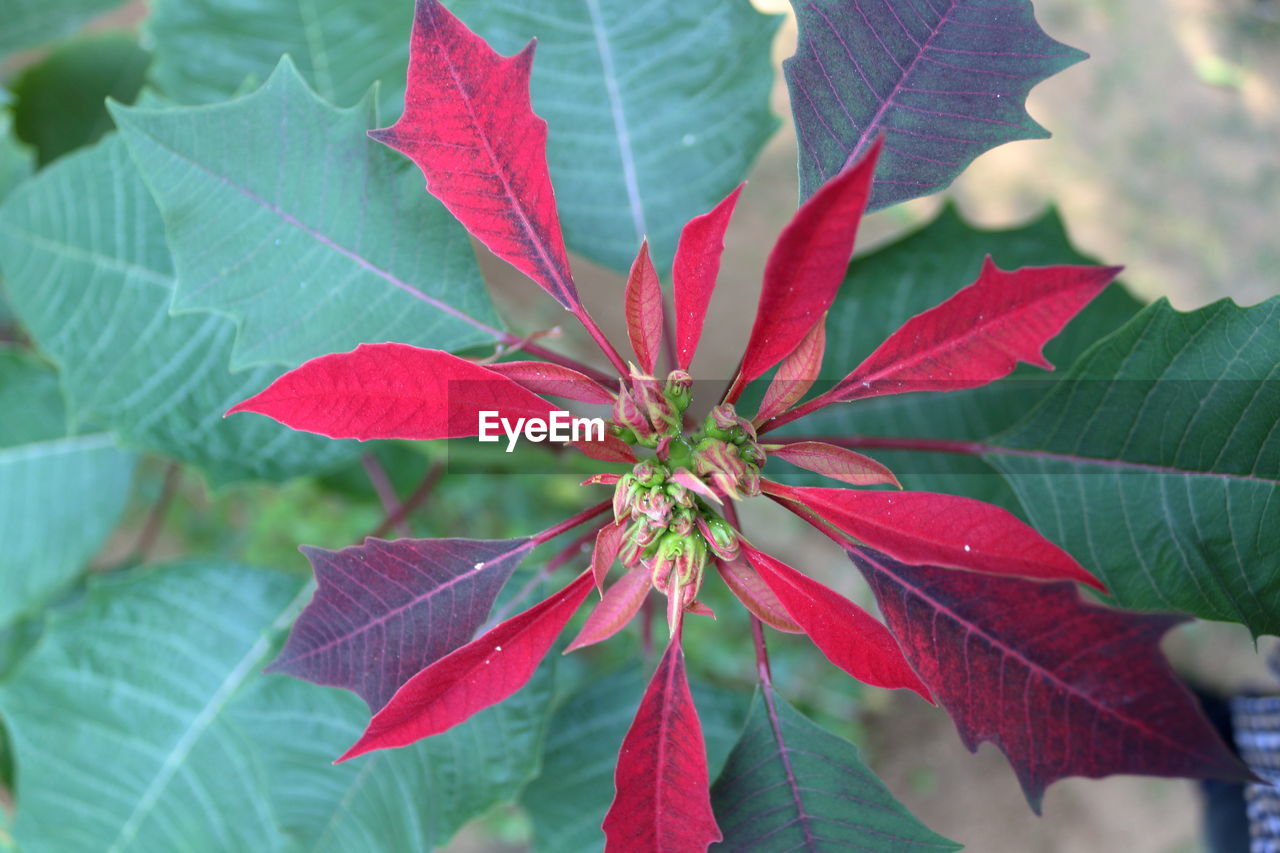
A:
(652, 409)
(669, 533)
(728, 454)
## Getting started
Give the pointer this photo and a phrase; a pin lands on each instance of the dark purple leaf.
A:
(385, 610)
(1062, 687)
(945, 80)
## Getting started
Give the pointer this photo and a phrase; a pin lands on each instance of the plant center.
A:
(673, 529)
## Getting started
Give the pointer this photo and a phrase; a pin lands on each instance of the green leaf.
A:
(889, 286)
(655, 110)
(157, 678)
(1156, 462)
(59, 496)
(142, 671)
(790, 785)
(206, 50)
(413, 798)
(87, 272)
(17, 161)
(60, 102)
(28, 23)
(282, 214)
(573, 792)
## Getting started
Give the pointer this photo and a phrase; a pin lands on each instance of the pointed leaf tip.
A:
(929, 528)
(482, 673)
(694, 272)
(662, 799)
(391, 391)
(806, 267)
(950, 81)
(849, 636)
(469, 127)
(1093, 700)
(978, 335)
(384, 610)
(644, 310)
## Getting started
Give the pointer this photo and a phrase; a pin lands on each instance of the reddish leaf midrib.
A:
(977, 330)
(897, 87)
(1041, 672)
(527, 544)
(783, 753)
(534, 238)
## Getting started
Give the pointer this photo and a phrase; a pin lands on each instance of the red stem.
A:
(561, 557)
(602, 341)
(386, 492)
(775, 724)
(796, 413)
(563, 360)
(414, 502)
(571, 522)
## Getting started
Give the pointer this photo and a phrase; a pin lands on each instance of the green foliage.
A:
(655, 111)
(208, 50)
(90, 280)
(62, 493)
(60, 102)
(788, 784)
(277, 206)
(1155, 460)
(156, 674)
(17, 161)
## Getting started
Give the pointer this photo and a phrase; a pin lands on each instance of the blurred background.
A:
(1165, 158)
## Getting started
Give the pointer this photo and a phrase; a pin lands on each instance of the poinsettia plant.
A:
(976, 473)
(982, 613)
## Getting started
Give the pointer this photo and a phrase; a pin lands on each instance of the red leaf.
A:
(615, 610)
(795, 375)
(601, 480)
(662, 800)
(468, 125)
(644, 310)
(944, 530)
(383, 610)
(1062, 687)
(612, 449)
(543, 377)
(755, 595)
(470, 679)
(849, 636)
(838, 463)
(608, 543)
(391, 391)
(980, 334)
(806, 267)
(694, 271)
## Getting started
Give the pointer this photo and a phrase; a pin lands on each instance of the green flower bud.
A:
(679, 389)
